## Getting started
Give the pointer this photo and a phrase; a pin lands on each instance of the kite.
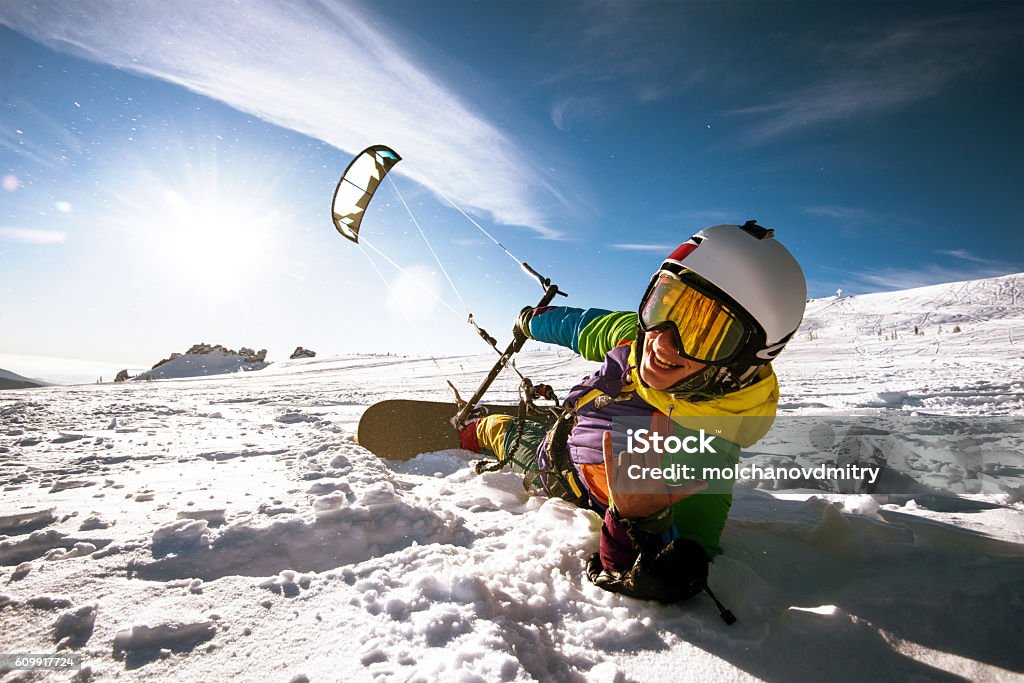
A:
(357, 185)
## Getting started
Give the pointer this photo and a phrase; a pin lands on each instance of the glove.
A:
(521, 330)
(676, 572)
(666, 573)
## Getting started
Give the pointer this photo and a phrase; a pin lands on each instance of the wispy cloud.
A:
(896, 278)
(701, 218)
(888, 279)
(29, 236)
(956, 265)
(852, 220)
(679, 226)
(848, 214)
(48, 144)
(906, 64)
(330, 70)
(634, 45)
(964, 255)
(13, 140)
(566, 112)
(664, 248)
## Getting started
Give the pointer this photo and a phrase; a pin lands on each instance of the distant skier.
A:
(699, 352)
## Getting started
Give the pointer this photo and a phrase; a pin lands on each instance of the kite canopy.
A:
(357, 185)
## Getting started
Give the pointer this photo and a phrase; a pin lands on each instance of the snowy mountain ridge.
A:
(11, 380)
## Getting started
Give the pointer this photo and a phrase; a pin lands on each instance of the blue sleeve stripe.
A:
(562, 325)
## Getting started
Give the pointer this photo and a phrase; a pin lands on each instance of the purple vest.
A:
(584, 442)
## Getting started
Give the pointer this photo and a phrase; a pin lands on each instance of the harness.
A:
(561, 478)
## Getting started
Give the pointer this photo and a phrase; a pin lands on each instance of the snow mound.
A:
(216, 362)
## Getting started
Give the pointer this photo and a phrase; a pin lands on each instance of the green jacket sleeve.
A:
(604, 333)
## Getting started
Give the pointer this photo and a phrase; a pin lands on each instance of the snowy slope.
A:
(838, 361)
(988, 313)
(229, 527)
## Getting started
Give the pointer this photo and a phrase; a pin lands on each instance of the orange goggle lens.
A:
(707, 329)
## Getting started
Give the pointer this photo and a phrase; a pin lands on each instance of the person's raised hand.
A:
(521, 328)
(658, 493)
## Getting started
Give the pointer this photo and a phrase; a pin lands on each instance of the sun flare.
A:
(211, 240)
(414, 293)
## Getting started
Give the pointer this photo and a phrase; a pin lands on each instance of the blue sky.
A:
(167, 168)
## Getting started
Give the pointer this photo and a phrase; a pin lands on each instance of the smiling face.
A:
(661, 366)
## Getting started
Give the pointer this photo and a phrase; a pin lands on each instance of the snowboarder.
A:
(713, 317)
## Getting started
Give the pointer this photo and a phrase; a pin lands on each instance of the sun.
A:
(214, 240)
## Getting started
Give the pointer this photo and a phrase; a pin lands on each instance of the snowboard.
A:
(401, 429)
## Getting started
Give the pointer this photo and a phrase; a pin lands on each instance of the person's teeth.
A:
(665, 365)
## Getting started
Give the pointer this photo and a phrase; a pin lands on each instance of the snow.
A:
(229, 527)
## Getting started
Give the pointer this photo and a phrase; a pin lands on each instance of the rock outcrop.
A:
(253, 356)
(203, 349)
(300, 352)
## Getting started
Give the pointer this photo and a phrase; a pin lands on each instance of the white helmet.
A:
(755, 278)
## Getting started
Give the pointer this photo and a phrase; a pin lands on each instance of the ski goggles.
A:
(706, 329)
